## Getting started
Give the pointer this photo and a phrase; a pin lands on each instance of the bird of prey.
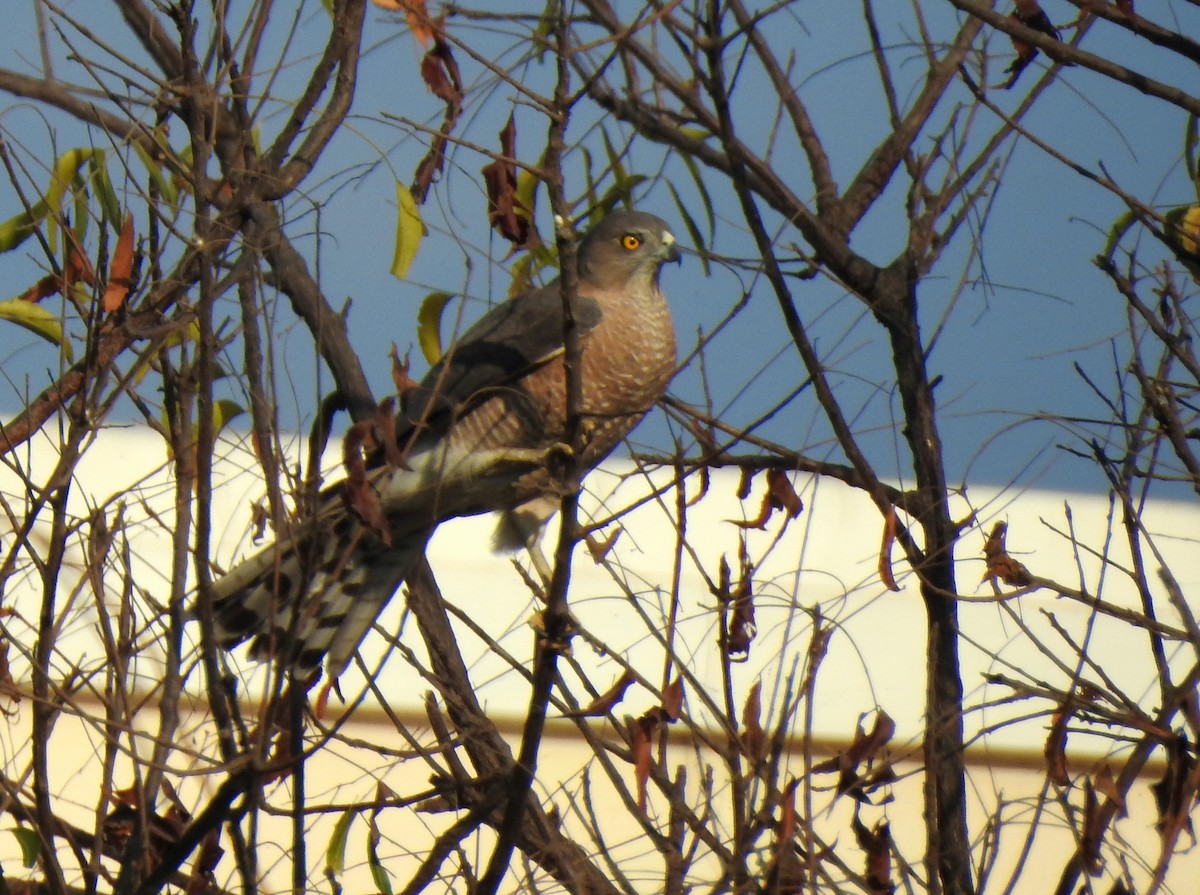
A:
(475, 434)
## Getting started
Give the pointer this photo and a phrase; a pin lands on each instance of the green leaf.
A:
(429, 325)
(383, 880)
(543, 30)
(109, 205)
(1120, 227)
(335, 852)
(225, 411)
(20, 227)
(1190, 136)
(589, 177)
(624, 183)
(527, 185)
(80, 217)
(65, 170)
(31, 846)
(621, 191)
(409, 231)
(694, 170)
(37, 320)
(166, 186)
(692, 229)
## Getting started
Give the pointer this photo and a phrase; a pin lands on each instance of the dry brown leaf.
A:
(865, 747)
(1175, 793)
(440, 72)
(1091, 833)
(506, 214)
(742, 628)
(754, 737)
(783, 493)
(44, 288)
(877, 844)
(405, 384)
(885, 550)
(745, 483)
(1000, 564)
(672, 700)
(785, 873)
(120, 269)
(604, 703)
(210, 854)
(644, 729)
(1055, 749)
(1106, 785)
(599, 549)
(358, 494)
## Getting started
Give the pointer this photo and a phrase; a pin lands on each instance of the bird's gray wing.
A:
(507, 342)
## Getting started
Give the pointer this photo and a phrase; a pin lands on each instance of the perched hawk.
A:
(497, 397)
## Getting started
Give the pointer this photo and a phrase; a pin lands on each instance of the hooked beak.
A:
(671, 250)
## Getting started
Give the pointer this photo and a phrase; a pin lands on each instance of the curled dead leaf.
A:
(754, 738)
(599, 549)
(605, 702)
(999, 564)
(885, 550)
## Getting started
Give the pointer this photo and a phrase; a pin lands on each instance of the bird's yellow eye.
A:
(631, 241)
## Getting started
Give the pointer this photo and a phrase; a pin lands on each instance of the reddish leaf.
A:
(8, 686)
(599, 549)
(1000, 564)
(783, 493)
(644, 729)
(742, 628)
(1104, 784)
(877, 844)
(199, 881)
(780, 495)
(44, 288)
(885, 550)
(420, 23)
(506, 214)
(1175, 793)
(787, 812)
(865, 747)
(405, 384)
(358, 494)
(79, 268)
(429, 167)
(603, 704)
(1055, 749)
(672, 700)
(440, 72)
(120, 269)
(1091, 833)
(745, 483)
(754, 738)
(785, 873)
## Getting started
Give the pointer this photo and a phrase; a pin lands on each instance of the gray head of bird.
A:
(624, 246)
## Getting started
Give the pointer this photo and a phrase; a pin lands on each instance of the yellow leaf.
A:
(65, 169)
(20, 227)
(37, 320)
(409, 231)
(429, 325)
